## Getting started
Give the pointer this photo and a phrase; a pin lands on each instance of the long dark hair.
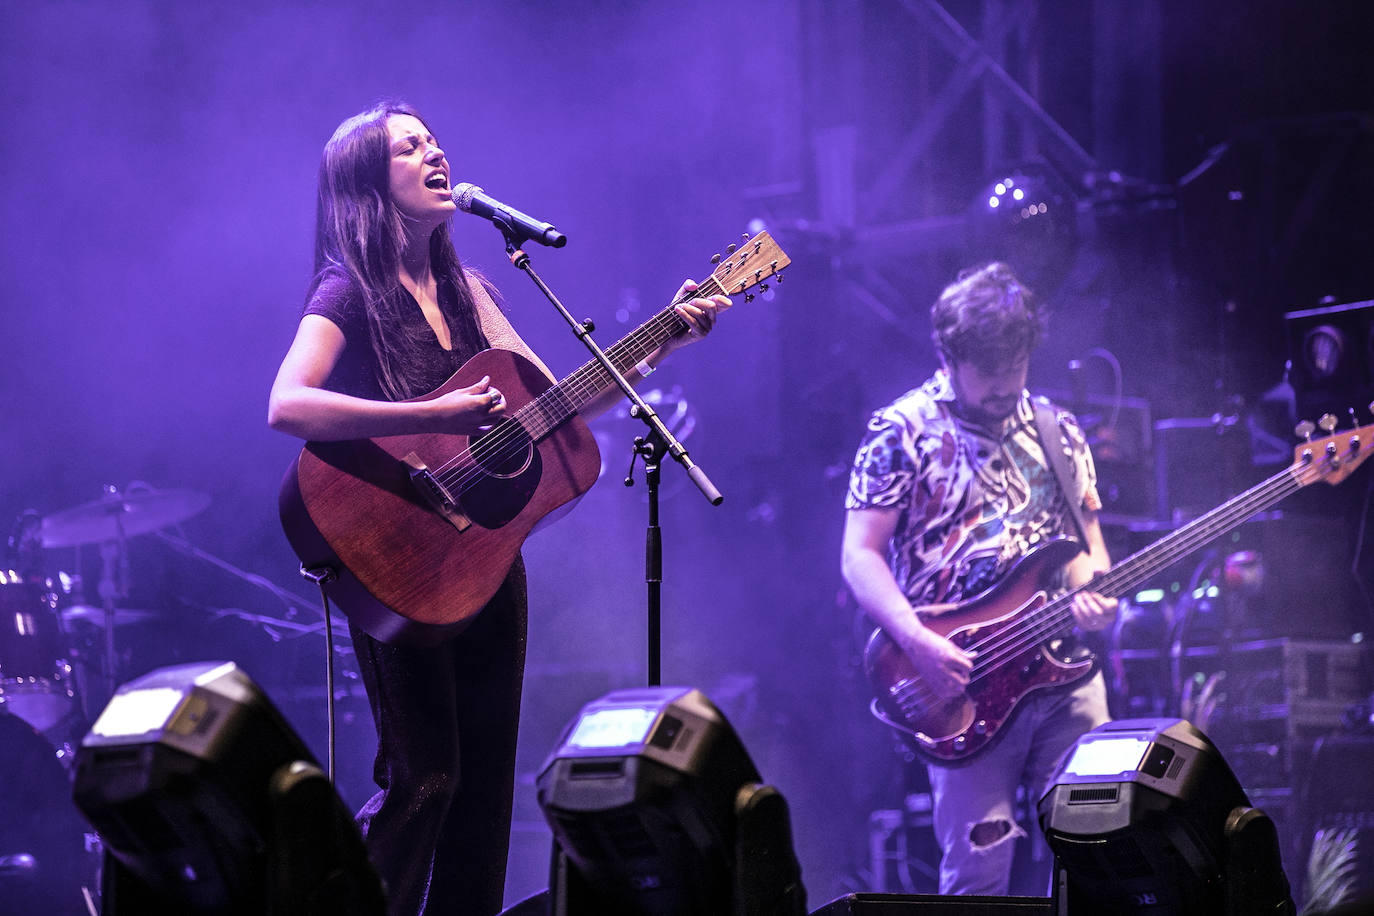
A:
(360, 235)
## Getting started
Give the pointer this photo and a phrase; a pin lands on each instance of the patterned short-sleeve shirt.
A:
(972, 500)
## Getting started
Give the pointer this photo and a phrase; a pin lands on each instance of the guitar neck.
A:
(750, 264)
(586, 383)
(1056, 616)
(1331, 459)
(589, 380)
(1131, 572)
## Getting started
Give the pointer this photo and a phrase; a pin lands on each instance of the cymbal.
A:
(94, 615)
(120, 515)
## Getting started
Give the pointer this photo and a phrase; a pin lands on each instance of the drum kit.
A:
(42, 609)
(45, 673)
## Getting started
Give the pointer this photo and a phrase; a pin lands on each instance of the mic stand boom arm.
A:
(582, 330)
(659, 441)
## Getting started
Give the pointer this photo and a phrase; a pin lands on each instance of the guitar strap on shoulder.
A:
(1052, 443)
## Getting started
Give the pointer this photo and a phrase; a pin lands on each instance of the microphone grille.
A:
(462, 195)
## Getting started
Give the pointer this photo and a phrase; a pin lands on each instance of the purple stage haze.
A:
(159, 165)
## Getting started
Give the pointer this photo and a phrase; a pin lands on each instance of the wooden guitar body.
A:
(353, 506)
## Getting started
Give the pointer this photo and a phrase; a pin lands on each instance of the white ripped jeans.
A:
(975, 818)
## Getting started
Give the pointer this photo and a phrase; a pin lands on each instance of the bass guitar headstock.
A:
(1333, 457)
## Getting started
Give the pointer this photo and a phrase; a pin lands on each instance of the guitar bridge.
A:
(435, 493)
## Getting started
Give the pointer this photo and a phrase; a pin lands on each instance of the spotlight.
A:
(1146, 817)
(656, 808)
(207, 802)
(1028, 216)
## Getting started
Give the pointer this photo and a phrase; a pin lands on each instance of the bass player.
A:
(951, 485)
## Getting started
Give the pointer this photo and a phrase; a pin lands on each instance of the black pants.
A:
(446, 716)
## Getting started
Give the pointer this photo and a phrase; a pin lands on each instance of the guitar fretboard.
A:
(560, 401)
(1056, 616)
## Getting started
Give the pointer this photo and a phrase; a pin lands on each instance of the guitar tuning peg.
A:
(777, 278)
(1305, 429)
(1327, 422)
(765, 287)
(715, 258)
(748, 297)
(730, 249)
(744, 237)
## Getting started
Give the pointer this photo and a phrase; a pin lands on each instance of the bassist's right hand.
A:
(468, 411)
(942, 666)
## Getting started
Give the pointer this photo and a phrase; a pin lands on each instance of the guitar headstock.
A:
(752, 263)
(1333, 457)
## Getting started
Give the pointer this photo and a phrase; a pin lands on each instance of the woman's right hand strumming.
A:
(468, 411)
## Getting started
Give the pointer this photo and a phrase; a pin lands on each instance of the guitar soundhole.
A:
(504, 450)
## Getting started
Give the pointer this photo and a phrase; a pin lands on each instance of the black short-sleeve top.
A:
(338, 299)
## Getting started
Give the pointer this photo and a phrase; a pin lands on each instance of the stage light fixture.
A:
(1145, 817)
(656, 808)
(207, 802)
(1026, 215)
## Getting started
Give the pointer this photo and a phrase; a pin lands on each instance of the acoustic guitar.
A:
(420, 530)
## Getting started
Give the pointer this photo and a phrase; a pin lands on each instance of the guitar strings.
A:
(1012, 640)
(1049, 619)
(515, 435)
(504, 432)
(513, 431)
(519, 426)
(1046, 621)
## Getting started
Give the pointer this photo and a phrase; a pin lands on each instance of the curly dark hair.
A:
(987, 318)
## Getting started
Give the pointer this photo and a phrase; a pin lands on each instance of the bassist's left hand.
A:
(1093, 611)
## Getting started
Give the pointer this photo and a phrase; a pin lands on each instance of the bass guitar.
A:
(1005, 628)
(420, 530)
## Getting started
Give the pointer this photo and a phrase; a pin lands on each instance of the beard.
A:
(991, 412)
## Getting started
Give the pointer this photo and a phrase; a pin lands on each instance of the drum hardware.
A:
(119, 515)
(35, 675)
(92, 616)
(110, 521)
(277, 628)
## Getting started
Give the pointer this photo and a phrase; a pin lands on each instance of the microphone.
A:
(472, 199)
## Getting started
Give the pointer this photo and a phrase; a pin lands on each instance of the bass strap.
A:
(1052, 443)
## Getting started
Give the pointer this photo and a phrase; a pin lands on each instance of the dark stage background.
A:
(159, 164)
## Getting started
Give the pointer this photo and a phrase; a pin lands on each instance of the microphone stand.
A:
(659, 436)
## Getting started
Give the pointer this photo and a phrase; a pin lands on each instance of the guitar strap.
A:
(1052, 443)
